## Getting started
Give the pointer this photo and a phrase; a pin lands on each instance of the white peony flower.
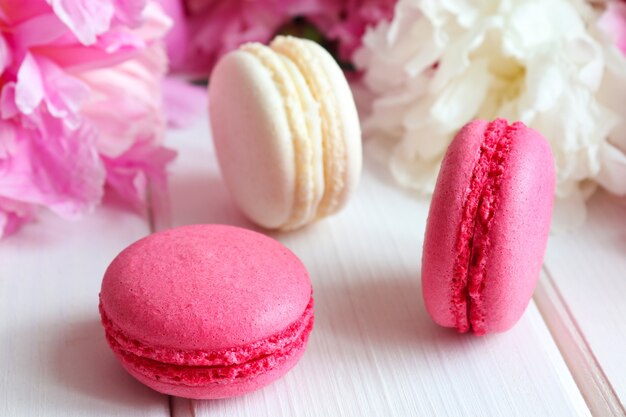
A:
(441, 63)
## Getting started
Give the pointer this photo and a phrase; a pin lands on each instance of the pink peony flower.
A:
(207, 29)
(345, 21)
(80, 105)
(214, 27)
(177, 37)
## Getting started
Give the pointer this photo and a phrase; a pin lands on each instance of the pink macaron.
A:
(488, 227)
(207, 311)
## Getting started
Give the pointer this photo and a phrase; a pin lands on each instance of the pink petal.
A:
(129, 174)
(126, 105)
(177, 38)
(347, 21)
(40, 79)
(64, 94)
(112, 47)
(8, 144)
(128, 12)
(5, 54)
(217, 27)
(8, 107)
(120, 39)
(199, 6)
(38, 30)
(13, 215)
(54, 167)
(78, 58)
(14, 12)
(80, 99)
(156, 22)
(86, 18)
(29, 90)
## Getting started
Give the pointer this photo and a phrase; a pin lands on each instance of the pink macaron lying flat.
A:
(487, 227)
(207, 311)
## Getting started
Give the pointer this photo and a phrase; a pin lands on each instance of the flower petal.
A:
(29, 90)
(13, 215)
(8, 144)
(86, 18)
(5, 54)
(130, 173)
(81, 85)
(64, 94)
(129, 12)
(127, 105)
(612, 175)
(177, 38)
(39, 30)
(54, 167)
(8, 106)
(40, 79)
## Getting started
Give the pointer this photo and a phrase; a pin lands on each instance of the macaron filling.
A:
(473, 242)
(334, 146)
(199, 368)
(306, 138)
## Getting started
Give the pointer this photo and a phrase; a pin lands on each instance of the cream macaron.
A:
(286, 131)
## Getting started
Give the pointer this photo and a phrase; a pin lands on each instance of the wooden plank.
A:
(53, 354)
(586, 370)
(586, 281)
(374, 351)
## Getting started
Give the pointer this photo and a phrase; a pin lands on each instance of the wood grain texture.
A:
(53, 354)
(587, 270)
(374, 351)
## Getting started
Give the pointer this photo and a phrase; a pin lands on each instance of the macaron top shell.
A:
(286, 131)
(204, 287)
(442, 227)
(506, 247)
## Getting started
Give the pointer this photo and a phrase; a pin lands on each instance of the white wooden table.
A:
(373, 351)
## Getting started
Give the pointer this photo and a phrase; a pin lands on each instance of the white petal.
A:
(612, 175)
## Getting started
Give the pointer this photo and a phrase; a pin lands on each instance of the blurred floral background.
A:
(85, 95)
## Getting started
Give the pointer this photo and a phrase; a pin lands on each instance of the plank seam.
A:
(585, 368)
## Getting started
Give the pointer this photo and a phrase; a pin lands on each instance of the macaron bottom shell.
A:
(216, 390)
(210, 375)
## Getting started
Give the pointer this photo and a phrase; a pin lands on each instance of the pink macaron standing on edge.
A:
(207, 311)
(488, 226)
